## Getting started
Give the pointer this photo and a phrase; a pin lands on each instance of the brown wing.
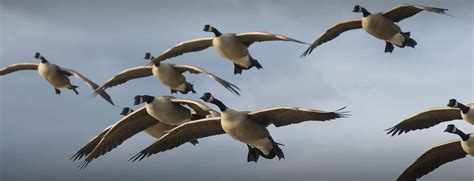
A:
(91, 84)
(127, 127)
(182, 134)
(282, 116)
(18, 67)
(432, 159)
(407, 10)
(184, 47)
(198, 107)
(251, 37)
(332, 33)
(196, 70)
(87, 149)
(126, 75)
(425, 120)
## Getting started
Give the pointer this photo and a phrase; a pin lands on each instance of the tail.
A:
(276, 151)
(74, 87)
(409, 41)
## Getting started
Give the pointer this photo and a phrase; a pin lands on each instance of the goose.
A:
(380, 25)
(169, 74)
(57, 76)
(246, 127)
(231, 46)
(434, 116)
(114, 135)
(170, 110)
(441, 154)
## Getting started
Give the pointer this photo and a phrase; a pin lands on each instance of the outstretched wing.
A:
(127, 127)
(250, 37)
(332, 33)
(432, 159)
(91, 84)
(184, 47)
(18, 67)
(196, 70)
(407, 10)
(126, 75)
(181, 134)
(87, 149)
(425, 120)
(198, 107)
(282, 116)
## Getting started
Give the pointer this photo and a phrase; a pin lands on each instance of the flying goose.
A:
(170, 75)
(380, 25)
(439, 155)
(231, 46)
(115, 134)
(57, 76)
(246, 127)
(170, 110)
(432, 117)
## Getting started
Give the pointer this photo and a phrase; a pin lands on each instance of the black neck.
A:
(461, 134)
(219, 104)
(216, 32)
(365, 13)
(43, 60)
(464, 109)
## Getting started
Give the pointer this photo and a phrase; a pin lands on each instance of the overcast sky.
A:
(40, 130)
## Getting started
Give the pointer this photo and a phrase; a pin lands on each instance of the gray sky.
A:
(40, 130)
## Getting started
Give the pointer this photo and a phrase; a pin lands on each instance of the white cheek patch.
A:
(129, 111)
(455, 129)
(456, 104)
(210, 99)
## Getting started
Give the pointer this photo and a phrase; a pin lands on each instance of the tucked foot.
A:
(173, 91)
(255, 63)
(411, 42)
(237, 69)
(253, 154)
(73, 87)
(58, 92)
(194, 142)
(189, 87)
(389, 47)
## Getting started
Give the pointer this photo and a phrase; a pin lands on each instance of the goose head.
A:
(360, 9)
(40, 57)
(451, 129)
(207, 97)
(148, 56)
(357, 9)
(453, 103)
(139, 99)
(209, 28)
(126, 111)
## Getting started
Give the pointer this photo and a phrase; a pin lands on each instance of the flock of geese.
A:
(175, 121)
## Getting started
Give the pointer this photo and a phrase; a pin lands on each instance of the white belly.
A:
(469, 117)
(229, 47)
(49, 72)
(158, 130)
(468, 146)
(169, 77)
(241, 129)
